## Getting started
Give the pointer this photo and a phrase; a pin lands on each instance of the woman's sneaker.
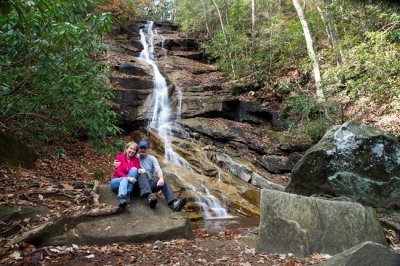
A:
(122, 202)
(152, 200)
(177, 205)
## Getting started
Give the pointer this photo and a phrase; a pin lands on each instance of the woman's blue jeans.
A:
(121, 186)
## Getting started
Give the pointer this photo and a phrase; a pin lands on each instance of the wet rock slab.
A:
(138, 223)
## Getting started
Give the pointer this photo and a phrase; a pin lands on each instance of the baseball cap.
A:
(144, 143)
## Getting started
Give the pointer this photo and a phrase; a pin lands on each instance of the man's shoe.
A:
(128, 197)
(122, 202)
(177, 205)
(152, 200)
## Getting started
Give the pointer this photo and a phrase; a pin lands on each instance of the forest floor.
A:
(53, 183)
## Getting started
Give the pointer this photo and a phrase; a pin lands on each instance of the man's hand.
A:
(160, 182)
(116, 163)
(131, 180)
(141, 171)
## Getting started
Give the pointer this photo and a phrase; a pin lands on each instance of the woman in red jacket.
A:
(125, 175)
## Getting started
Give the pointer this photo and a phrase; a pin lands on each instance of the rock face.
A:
(137, 223)
(352, 160)
(15, 153)
(244, 172)
(16, 213)
(207, 110)
(304, 225)
(366, 253)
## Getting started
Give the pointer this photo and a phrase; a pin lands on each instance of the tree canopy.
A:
(53, 82)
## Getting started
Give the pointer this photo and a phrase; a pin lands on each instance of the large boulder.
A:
(352, 160)
(301, 225)
(138, 223)
(366, 253)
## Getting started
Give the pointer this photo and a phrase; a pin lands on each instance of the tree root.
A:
(70, 219)
(58, 226)
(387, 222)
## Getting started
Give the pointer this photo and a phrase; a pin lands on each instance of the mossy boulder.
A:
(355, 161)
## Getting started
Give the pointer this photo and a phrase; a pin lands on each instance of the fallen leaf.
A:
(107, 228)
(91, 256)
(67, 187)
(74, 233)
(40, 196)
(54, 250)
(15, 256)
(134, 223)
(319, 256)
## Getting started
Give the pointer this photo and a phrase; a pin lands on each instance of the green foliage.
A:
(308, 116)
(52, 83)
(114, 147)
(235, 48)
(371, 68)
(303, 107)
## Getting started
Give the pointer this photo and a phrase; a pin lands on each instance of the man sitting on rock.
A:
(151, 179)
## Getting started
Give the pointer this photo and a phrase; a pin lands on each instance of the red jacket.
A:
(125, 166)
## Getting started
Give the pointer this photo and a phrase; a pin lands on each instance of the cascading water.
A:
(161, 121)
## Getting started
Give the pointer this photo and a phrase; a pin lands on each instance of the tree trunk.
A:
(225, 37)
(226, 11)
(333, 32)
(310, 49)
(253, 33)
(206, 20)
(326, 26)
(253, 22)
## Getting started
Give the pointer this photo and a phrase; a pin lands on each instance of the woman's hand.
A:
(141, 171)
(132, 180)
(116, 163)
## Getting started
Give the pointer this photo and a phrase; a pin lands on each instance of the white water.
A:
(161, 121)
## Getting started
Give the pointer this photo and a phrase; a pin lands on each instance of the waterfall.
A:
(161, 121)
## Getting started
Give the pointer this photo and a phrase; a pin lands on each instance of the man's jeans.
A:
(121, 185)
(147, 186)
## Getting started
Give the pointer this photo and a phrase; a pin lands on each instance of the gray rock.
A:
(261, 182)
(352, 160)
(132, 69)
(229, 131)
(276, 164)
(181, 44)
(304, 225)
(138, 223)
(11, 213)
(279, 164)
(244, 173)
(366, 253)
